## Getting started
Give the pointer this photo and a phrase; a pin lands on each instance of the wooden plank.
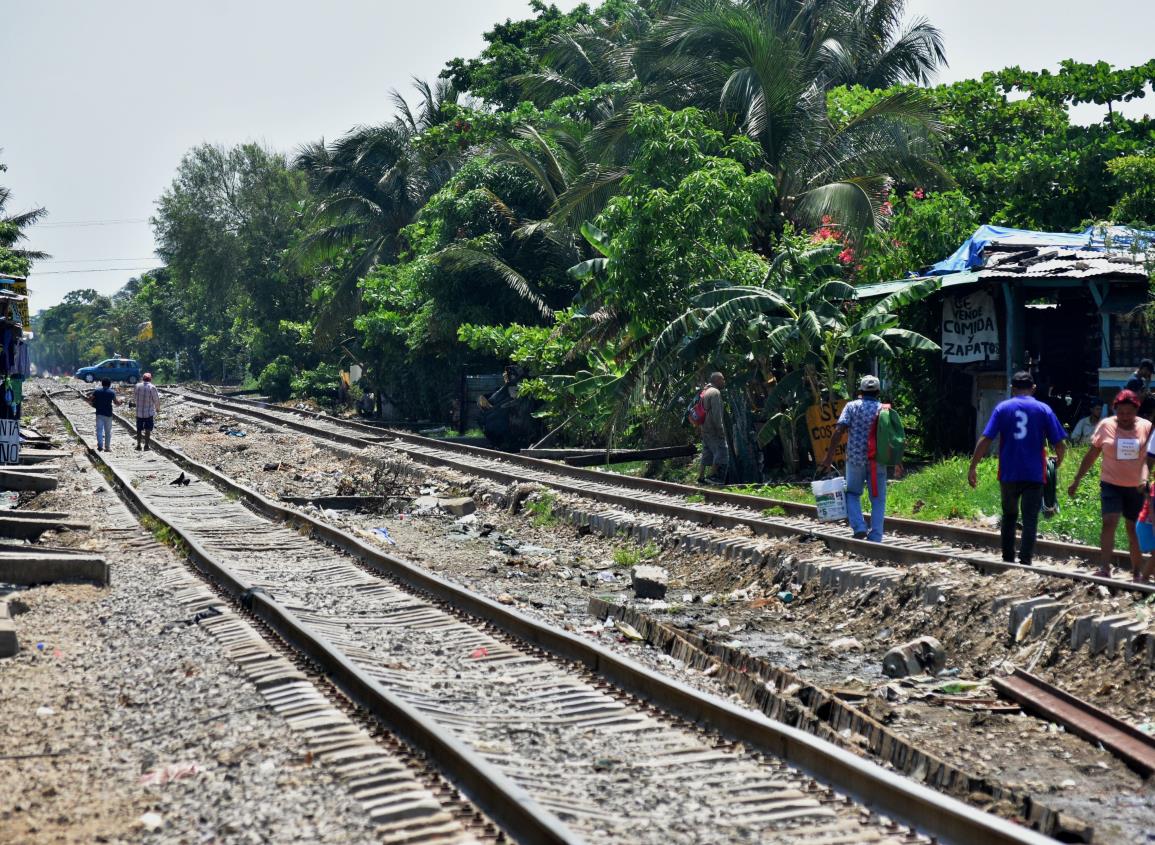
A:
(49, 569)
(1081, 718)
(13, 480)
(20, 528)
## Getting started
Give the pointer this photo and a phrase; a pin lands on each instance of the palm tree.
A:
(12, 258)
(369, 185)
(767, 65)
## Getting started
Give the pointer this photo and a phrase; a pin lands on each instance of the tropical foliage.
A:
(620, 199)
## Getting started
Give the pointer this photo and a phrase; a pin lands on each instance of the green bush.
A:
(163, 370)
(276, 379)
(319, 384)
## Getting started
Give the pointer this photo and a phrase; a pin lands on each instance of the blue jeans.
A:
(103, 432)
(857, 480)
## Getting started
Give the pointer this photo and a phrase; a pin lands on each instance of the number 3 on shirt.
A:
(1020, 425)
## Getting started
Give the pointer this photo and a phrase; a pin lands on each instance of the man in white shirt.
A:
(1085, 427)
(147, 404)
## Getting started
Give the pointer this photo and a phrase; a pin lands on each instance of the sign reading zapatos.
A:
(970, 328)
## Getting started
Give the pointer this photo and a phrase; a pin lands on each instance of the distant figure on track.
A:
(1140, 385)
(103, 399)
(147, 404)
(715, 449)
(1024, 426)
(1123, 441)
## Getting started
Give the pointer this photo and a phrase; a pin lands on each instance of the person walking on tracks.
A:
(708, 412)
(147, 404)
(1024, 426)
(864, 468)
(1122, 441)
(103, 399)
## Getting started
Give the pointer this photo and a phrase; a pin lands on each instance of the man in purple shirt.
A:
(1024, 426)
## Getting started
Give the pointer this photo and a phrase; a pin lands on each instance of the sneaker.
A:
(859, 535)
(147, 449)
(138, 447)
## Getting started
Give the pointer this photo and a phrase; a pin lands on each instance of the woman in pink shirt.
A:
(1122, 441)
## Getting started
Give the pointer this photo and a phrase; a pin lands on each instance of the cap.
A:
(1126, 397)
(869, 384)
(147, 377)
(1022, 379)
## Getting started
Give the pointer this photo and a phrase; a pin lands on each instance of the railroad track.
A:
(908, 542)
(555, 737)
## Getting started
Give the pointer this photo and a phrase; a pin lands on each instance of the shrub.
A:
(276, 379)
(319, 383)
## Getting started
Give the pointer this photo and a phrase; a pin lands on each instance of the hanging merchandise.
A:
(22, 365)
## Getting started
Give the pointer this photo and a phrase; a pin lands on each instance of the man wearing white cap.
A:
(147, 404)
(857, 421)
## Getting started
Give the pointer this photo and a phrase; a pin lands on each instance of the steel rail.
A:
(897, 797)
(1082, 718)
(508, 804)
(897, 525)
(892, 553)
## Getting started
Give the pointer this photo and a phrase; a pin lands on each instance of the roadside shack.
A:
(1064, 306)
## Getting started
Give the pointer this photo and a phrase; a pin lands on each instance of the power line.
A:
(97, 270)
(92, 222)
(93, 260)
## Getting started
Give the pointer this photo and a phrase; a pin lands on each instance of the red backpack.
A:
(696, 413)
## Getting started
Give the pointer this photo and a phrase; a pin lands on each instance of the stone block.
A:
(650, 582)
(1022, 608)
(9, 645)
(1081, 629)
(1101, 628)
(462, 506)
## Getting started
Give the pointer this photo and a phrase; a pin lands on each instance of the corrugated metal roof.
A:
(886, 288)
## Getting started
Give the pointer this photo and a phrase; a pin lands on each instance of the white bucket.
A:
(830, 496)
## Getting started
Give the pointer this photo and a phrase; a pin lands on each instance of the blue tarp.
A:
(969, 255)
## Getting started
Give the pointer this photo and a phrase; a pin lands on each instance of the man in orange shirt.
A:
(1122, 442)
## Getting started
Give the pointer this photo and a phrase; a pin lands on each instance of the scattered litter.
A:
(628, 630)
(844, 644)
(207, 613)
(169, 773)
(607, 577)
(44, 712)
(383, 533)
(480, 651)
(1024, 629)
(40, 646)
(955, 687)
(151, 821)
(786, 596)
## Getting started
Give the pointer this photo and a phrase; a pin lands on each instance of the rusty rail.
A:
(1081, 718)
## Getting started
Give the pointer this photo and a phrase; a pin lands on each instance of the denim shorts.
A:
(1125, 500)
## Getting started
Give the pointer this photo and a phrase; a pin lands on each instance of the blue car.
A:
(114, 369)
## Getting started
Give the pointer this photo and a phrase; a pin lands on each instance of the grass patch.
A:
(540, 510)
(698, 498)
(776, 510)
(940, 491)
(631, 556)
(162, 533)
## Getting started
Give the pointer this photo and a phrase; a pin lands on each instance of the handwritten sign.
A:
(9, 442)
(970, 331)
(820, 422)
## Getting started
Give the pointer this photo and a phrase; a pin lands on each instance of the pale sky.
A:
(100, 100)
